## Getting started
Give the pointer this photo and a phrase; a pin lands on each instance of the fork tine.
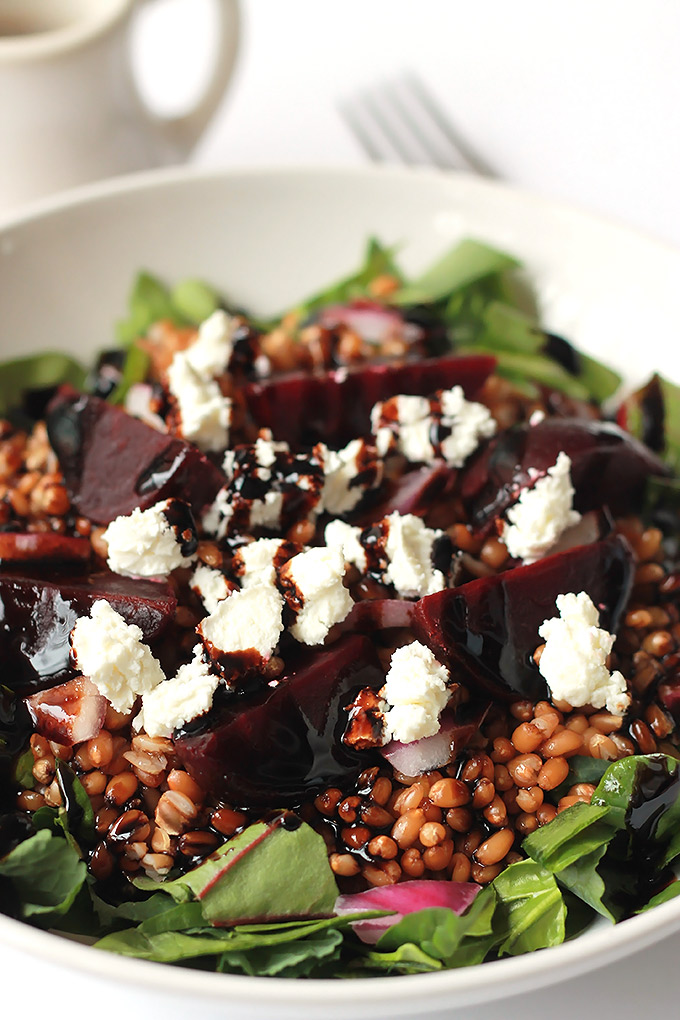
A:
(442, 123)
(409, 125)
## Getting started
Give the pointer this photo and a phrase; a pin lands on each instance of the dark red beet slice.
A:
(489, 626)
(608, 467)
(113, 463)
(41, 546)
(69, 713)
(335, 406)
(38, 616)
(412, 493)
(285, 743)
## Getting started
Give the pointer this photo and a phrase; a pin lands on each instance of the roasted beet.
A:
(70, 713)
(113, 463)
(608, 467)
(39, 615)
(43, 546)
(412, 493)
(335, 406)
(488, 628)
(283, 744)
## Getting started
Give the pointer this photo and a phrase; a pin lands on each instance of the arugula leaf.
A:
(265, 871)
(378, 261)
(194, 301)
(531, 909)
(46, 873)
(20, 376)
(467, 263)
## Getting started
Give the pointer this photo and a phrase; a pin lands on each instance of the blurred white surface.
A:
(577, 101)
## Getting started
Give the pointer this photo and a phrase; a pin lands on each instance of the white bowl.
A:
(266, 239)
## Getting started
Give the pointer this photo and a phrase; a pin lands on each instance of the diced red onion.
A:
(70, 713)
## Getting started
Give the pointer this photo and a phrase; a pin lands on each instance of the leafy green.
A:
(47, 875)
(531, 908)
(22, 772)
(135, 368)
(582, 769)
(669, 893)
(149, 301)
(467, 263)
(20, 376)
(265, 871)
(194, 301)
(378, 261)
(289, 959)
(75, 816)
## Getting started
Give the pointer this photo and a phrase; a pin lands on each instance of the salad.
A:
(341, 644)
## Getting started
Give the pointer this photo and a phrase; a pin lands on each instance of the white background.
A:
(577, 100)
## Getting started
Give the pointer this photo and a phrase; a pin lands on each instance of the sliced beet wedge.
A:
(334, 407)
(415, 492)
(608, 467)
(113, 463)
(43, 546)
(38, 616)
(488, 628)
(283, 744)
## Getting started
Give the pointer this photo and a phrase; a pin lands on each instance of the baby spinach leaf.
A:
(531, 911)
(465, 264)
(22, 772)
(20, 376)
(75, 816)
(149, 301)
(290, 959)
(669, 893)
(406, 959)
(46, 873)
(265, 871)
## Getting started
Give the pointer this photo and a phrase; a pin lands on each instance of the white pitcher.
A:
(70, 110)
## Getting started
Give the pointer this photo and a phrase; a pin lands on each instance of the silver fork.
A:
(399, 121)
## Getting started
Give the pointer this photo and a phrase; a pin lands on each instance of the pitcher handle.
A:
(184, 132)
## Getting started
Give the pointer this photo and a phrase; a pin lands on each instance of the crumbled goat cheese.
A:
(248, 621)
(422, 429)
(312, 584)
(282, 488)
(146, 544)
(574, 660)
(541, 514)
(348, 474)
(409, 546)
(415, 691)
(256, 562)
(210, 585)
(210, 353)
(179, 700)
(536, 417)
(342, 536)
(204, 414)
(112, 654)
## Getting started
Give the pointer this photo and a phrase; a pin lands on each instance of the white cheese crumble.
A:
(316, 579)
(342, 536)
(216, 518)
(210, 353)
(408, 546)
(144, 544)
(541, 514)
(469, 422)
(423, 429)
(179, 700)
(255, 563)
(574, 660)
(248, 620)
(210, 585)
(205, 415)
(415, 691)
(348, 474)
(266, 513)
(112, 654)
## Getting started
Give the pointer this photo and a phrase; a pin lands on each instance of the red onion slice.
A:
(403, 898)
(70, 713)
(432, 752)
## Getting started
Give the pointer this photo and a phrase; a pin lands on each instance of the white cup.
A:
(70, 109)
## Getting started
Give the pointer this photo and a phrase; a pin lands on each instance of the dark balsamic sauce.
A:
(180, 518)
